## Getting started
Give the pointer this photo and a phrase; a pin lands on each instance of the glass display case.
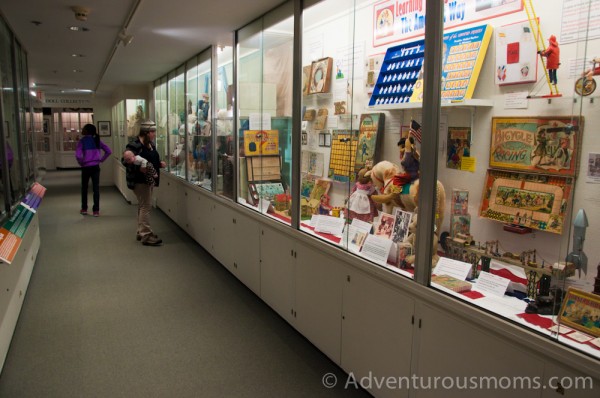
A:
(199, 120)
(161, 116)
(120, 132)
(9, 122)
(223, 116)
(264, 109)
(176, 121)
(17, 171)
(479, 189)
(498, 166)
(127, 116)
(135, 112)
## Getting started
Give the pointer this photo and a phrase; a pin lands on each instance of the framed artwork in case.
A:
(580, 310)
(549, 145)
(535, 201)
(320, 76)
(306, 79)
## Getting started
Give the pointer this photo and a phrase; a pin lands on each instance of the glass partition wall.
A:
(264, 109)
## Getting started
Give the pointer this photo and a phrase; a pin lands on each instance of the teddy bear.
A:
(390, 195)
(411, 238)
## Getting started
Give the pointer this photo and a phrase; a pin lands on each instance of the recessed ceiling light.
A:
(76, 90)
(78, 28)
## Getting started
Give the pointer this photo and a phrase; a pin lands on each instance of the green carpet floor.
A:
(105, 316)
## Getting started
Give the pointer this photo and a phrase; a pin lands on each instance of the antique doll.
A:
(409, 159)
(360, 204)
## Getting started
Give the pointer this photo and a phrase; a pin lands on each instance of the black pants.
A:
(94, 173)
(552, 76)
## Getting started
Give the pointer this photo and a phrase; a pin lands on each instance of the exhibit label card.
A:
(580, 337)
(357, 232)
(260, 121)
(492, 284)
(330, 225)
(263, 205)
(376, 249)
(454, 268)
(561, 329)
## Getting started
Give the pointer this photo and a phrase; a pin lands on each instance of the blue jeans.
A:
(94, 173)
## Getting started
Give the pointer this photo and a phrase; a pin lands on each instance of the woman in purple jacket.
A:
(89, 156)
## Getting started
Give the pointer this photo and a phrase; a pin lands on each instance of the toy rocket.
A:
(577, 256)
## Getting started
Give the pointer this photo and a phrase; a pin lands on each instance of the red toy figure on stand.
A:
(552, 54)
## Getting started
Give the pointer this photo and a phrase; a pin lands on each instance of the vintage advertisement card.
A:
(547, 145)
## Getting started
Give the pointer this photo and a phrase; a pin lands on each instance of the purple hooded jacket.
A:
(87, 154)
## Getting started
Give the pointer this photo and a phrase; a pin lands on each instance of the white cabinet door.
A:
(377, 333)
(318, 305)
(277, 271)
(563, 382)
(452, 351)
(203, 221)
(169, 197)
(245, 244)
(186, 212)
(223, 230)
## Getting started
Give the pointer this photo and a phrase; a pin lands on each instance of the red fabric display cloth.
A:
(537, 320)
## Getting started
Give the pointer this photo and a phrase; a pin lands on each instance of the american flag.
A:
(415, 130)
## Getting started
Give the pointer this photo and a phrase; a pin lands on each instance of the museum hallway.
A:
(105, 316)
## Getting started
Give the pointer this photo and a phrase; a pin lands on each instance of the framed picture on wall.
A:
(320, 76)
(104, 129)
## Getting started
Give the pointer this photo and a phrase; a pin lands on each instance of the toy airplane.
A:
(577, 256)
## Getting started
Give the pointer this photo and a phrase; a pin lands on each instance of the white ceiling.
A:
(166, 34)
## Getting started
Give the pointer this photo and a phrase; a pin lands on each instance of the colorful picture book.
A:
(460, 201)
(456, 285)
(261, 142)
(459, 146)
(370, 131)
